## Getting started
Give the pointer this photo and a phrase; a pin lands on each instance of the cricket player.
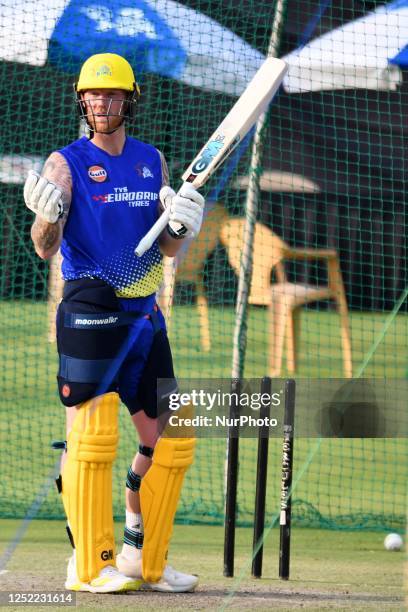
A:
(95, 199)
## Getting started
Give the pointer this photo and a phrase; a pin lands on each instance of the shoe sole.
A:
(133, 585)
(127, 568)
(153, 587)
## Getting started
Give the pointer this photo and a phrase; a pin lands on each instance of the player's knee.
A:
(147, 440)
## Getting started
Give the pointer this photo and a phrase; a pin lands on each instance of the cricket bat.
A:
(242, 116)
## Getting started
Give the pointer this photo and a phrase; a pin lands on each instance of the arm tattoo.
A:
(44, 234)
(49, 166)
(57, 171)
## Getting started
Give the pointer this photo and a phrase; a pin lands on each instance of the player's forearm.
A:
(49, 197)
(46, 237)
(186, 213)
(169, 246)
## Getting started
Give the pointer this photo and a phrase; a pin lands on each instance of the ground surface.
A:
(329, 570)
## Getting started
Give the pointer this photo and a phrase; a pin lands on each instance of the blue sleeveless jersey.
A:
(114, 203)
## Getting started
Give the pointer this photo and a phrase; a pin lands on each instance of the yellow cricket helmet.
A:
(107, 71)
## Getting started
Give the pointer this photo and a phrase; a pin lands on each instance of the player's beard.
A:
(104, 124)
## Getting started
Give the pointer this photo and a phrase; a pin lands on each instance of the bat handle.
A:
(154, 232)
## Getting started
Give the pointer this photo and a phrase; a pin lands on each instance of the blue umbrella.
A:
(157, 36)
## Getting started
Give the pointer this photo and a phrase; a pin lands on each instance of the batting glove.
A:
(43, 197)
(186, 210)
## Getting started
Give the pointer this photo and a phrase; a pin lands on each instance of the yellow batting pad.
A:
(159, 496)
(87, 484)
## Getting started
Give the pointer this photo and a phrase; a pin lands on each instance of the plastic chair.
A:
(190, 268)
(285, 299)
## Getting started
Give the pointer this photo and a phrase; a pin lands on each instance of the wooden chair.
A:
(285, 299)
(190, 268)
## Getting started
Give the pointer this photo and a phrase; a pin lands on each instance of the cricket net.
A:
(331, 172)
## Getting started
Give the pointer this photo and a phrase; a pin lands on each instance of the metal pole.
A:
(251, 208)
(231, 484)
(261, 481)
(286, 482)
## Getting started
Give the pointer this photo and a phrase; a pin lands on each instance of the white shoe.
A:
(172, 581)
(130, 566)
(110, 580)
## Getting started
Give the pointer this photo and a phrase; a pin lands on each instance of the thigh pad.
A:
(90, 333)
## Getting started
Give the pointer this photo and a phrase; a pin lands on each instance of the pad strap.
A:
(107, 320)
(70, 538)
(58, 483)
(133, 538)
(146, 451)
(59, 445)
(133, 480)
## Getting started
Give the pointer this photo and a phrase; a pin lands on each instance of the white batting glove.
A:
(43, 197)
(186, 209)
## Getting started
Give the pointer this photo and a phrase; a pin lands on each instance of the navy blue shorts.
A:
(110, 344)
(148, 360)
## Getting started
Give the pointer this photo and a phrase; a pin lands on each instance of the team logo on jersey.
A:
(97, 174)
(143, 170)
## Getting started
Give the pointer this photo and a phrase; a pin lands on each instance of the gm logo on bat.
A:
(208, 154)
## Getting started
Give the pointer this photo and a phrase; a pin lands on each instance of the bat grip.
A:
(154, 232)
(156, 229)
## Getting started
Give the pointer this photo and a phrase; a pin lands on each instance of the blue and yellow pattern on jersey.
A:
(115, 201)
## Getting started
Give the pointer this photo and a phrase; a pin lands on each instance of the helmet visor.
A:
(105, 112)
